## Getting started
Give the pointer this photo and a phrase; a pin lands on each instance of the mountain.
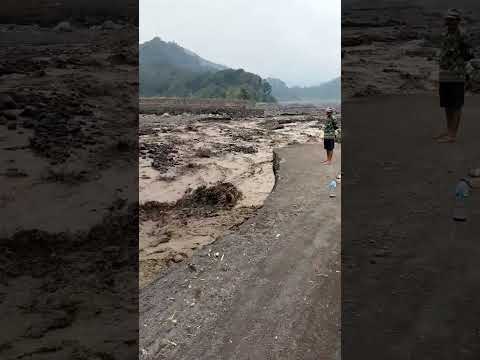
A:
(159, 52)
(167, 69)
(328, 91)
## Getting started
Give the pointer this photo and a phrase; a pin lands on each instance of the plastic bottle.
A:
(332, 186)
(462, 192)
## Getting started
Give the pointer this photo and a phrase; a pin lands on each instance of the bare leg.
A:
(445, 132)
(329, 157)
(324, 161)
(452, 126)
(458, 118)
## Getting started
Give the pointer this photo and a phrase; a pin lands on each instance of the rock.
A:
(474, 172)
(177, 258)
(6, 102)
(11, 114)
(382, 253)
(64, 26)
(110, 25)
(15, 173)
(29, 111)
(475, 63)
(157, 346)
(475, 182)
(39, 73)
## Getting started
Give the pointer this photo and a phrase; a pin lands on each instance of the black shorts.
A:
(329, 144)
(452, 94)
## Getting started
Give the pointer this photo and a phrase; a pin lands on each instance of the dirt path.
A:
(269, 291)
(409, 273)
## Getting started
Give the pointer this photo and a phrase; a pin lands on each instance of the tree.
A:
(244, 95)
(267, 88)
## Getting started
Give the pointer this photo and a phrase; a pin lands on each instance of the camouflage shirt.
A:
(453, 57)
(330, 127)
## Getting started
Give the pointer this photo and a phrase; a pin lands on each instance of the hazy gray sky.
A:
(297, 41)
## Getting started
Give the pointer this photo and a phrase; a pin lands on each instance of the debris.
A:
(171, 343)
(220, 195)
(192, 267)
(173, 315)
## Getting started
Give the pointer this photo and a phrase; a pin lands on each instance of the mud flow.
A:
(201, 175)
(68, 189)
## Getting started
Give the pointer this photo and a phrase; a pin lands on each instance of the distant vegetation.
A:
(329, 91)
(167, 69)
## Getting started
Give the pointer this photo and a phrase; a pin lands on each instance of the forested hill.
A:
(167, 69)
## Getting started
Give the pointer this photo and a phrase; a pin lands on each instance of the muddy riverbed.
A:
(203, 175)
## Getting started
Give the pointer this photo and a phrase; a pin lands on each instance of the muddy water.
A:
(206, 152)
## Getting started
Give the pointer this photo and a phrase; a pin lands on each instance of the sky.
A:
(297, 41)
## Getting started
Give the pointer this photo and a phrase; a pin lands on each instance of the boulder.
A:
(64, 26)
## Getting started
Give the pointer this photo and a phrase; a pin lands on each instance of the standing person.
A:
(329, 135)
(454, 55)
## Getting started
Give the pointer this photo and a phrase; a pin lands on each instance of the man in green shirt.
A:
(454, 55)
(329, 135)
